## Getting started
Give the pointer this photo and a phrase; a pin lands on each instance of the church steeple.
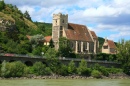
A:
(59, 24)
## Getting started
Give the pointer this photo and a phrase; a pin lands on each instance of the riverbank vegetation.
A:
(13, 40)
(18, 69)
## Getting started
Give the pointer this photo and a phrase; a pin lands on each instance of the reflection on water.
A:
(66, 82)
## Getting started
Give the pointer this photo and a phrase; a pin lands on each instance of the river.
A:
(66, 82)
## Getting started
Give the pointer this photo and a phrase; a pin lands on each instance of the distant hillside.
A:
(11, 13)
(14, 26)
(45, 27)
(101, 41)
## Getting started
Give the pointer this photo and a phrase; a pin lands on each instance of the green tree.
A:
(51, 53)
(101, 69)
(82, 69)
(3, 68)
(2, 5)
(62, 70)
(36, 40)
(11, 46)
(96, 74)
(26, 15)
(54, 64)
(64, 47)
(40, 69)
(45, 48)
(71, 67)
(14, 69)
(37, 51)
(123, 49)
(51, 43)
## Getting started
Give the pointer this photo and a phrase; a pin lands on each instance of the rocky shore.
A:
(111, 76)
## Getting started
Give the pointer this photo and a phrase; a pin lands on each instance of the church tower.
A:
(59, 24)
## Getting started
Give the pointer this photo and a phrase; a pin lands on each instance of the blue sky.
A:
(108, 18)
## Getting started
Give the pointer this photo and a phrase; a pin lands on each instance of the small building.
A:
(109, 47)
(47, 40)
(82, 40)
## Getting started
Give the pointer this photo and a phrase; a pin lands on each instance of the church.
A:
(82, 40)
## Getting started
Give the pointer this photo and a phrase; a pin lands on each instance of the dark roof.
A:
(78, 32)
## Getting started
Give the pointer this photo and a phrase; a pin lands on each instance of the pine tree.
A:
(26, 15)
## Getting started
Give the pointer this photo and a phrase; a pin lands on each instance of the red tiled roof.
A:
(111, 44)
(78, 32)
(47, 38)
(93, 34)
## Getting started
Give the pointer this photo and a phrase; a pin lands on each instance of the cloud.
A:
(111, 16)
(120, 35)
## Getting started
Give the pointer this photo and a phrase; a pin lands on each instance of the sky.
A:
(108, 18)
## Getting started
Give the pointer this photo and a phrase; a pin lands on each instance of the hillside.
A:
(45, 27)
(11, 13)
(14, 26)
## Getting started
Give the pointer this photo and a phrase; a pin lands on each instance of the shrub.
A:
(96, 74)
(47, 71)
(82, 69)
(40, 69)
(101, 69)
(53, 64)
(63, 70)
(71, 67)
(27, 70)
(114, 70)
(87, 72)
(104, 71)
(14, 69)
(19, 68)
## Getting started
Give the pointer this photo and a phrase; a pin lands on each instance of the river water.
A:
(66, 82)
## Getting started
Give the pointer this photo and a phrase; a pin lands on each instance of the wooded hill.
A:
(15, 25)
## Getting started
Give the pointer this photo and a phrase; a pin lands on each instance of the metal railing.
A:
(60, 58)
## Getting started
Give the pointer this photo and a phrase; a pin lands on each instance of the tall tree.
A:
(2, 5)
(26, 15)
(71, 67)
(64, 47)
(36, 39)
(51, 53)
(123, 55)
(82, 67)
(51, 43)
